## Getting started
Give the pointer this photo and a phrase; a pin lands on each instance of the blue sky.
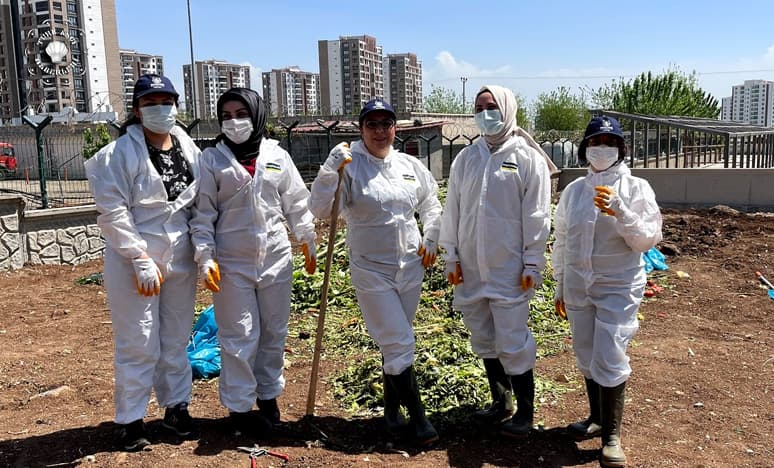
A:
(530, 47)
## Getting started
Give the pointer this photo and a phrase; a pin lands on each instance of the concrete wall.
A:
(58, 236)
(743, 189)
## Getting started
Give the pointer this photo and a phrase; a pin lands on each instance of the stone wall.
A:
(57, 236)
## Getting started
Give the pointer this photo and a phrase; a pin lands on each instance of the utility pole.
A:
(464, 80)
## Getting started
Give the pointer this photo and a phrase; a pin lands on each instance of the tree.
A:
(522, 118)
(560, 110)
(444, 101)
(671, 93)
(94, 141)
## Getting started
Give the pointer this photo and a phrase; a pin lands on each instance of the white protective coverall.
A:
(496, 220)
(239, 221)
(150, 333)
(379, 198)
(598, 266)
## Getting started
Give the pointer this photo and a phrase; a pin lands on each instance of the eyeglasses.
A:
(383, 124)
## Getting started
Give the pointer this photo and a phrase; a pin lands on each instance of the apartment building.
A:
(290, 92)
(58, 56)
(403, 82)
(133, 65)
(751, 102)
(351, 73)
(212, 78)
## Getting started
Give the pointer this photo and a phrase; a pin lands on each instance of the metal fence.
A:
(50, 171)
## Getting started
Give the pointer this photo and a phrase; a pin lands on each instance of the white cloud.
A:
(256, 82)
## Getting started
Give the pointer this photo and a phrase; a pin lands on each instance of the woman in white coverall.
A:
(144, 184)
(603, 223)
(249, 187)
(381, 190)
(495, 224)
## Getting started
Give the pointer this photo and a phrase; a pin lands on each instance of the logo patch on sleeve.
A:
(509, 166)
(273, 167)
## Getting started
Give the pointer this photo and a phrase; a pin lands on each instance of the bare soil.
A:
(701, 395)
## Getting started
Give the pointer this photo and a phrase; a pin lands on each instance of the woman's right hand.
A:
(340, 156)
(453, 272)
(560, 309)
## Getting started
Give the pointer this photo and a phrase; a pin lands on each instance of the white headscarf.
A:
(508, 106)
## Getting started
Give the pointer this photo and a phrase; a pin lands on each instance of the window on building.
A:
(41, 6)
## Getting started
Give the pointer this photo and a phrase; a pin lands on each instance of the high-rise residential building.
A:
(212, 78)
(290, 91)
(9, 77)
(351, 73)
(403, 82)
(133, 65)
(751, 102)
(58, 55)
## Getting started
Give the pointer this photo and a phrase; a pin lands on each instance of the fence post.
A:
(328, 130)
(288, 131)
(38, 127)
(188, 128)
(427, 141)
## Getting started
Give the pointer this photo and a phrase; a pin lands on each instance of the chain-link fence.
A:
(49, 171)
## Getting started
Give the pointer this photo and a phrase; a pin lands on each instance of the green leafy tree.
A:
(522, 115)
(560, 110)
(444, 101)
(93, 141)
(670, 93)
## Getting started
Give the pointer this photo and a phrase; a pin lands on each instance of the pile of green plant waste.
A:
(450, 376)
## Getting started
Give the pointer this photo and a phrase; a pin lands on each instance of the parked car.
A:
(7, 161)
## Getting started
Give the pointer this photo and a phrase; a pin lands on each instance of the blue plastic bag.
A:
(203, 347)
(654, 260)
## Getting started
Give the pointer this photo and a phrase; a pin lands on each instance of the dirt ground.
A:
(701, 394)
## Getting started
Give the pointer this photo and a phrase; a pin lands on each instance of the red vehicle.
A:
(7, 161)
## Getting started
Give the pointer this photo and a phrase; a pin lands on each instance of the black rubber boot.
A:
(392, 415)
(406, 383)
(502, 407)
(591, 427)
(611, 410)
(269, 410)
(521, 423)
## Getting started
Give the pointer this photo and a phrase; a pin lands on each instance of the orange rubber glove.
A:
(454, 273)
(211, 275)
(310, 257)
(147, 276)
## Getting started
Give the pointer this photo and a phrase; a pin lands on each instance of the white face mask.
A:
(489, 122)
(237, 130)
(158, 118)
(601, 157)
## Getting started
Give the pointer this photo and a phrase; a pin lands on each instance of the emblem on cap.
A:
(606, 126)
(378, 105)
(156, 82)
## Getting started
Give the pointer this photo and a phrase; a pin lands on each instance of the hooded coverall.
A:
(496, 220)
(239, 221)
(598, 266)
(379, 198)
(150, 333)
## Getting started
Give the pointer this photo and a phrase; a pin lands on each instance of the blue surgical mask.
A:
(489, 121)
(159, 118)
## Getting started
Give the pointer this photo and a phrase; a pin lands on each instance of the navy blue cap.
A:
(374, 105)
(603, 124)
(150, 83)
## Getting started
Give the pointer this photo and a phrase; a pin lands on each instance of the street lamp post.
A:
(464, 80)
(193, 65)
